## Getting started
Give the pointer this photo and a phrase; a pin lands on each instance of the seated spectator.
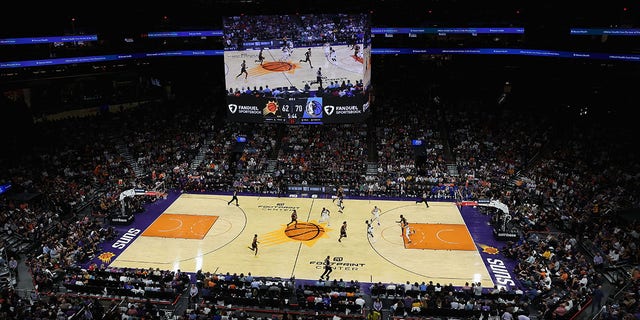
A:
(559, 312)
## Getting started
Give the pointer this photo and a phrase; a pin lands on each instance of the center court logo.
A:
(329, 109)
(304, 231)
(307, 233)
(233, 108)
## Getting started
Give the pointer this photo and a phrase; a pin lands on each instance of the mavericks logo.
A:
(233, 108)
(314, 108)
(329, 110)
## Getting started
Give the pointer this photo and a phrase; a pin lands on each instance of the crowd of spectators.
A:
(346, 89)
(323, 155)
(306, 30)
(563, 184)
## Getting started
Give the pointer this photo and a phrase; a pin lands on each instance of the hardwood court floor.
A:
(202, 232)
(285, 71)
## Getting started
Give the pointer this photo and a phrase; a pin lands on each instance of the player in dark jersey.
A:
(343, 231)
(403, 224)
(327, 268)
(307, 57)
(294, 219)
(339, 194)
(234, 197)
(260, 56)
(243, 69)
(318, 78)
(423, 199)
(340, 204)
(254, 244)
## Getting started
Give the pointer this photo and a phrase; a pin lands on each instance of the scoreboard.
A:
(297, 110)
(268, 51)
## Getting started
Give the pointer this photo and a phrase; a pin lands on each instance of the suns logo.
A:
(489, 249)
(106, 256)
(270, 108)
(306, 232)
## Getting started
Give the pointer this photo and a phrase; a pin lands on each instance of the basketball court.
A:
(194, 232)
(284, 70)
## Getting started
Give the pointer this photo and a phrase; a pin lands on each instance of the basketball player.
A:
(318, 78)
(339, 194)
(353, 41)
(369, 231)
(343, 231)
(294, 219)
(408, 232)
(423, 199)
(332, 54)
(327, 268)
(375, 214)
(340, 204)
(260, 56)
(325, 215)
(307, 57)
(254, 244)
(289, 44)
(286, 53)
(243, 70)
(403, 223)
(234, 197)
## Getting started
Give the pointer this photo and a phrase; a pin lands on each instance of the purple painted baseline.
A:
(141, 222)
(482, 233)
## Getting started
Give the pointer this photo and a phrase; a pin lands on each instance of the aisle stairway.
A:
(271, 165)
(202, 153)
(124, 152)
(372, 168)
(452, 169)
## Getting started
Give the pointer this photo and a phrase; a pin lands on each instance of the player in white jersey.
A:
(325, 215)
(332, 55)
(375, 214)
(326, 47)
(370, 231)
(408, 232)
(286, 53)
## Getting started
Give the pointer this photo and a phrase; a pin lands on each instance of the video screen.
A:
(297, 69)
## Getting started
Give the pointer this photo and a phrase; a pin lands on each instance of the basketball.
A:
(304, 231)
